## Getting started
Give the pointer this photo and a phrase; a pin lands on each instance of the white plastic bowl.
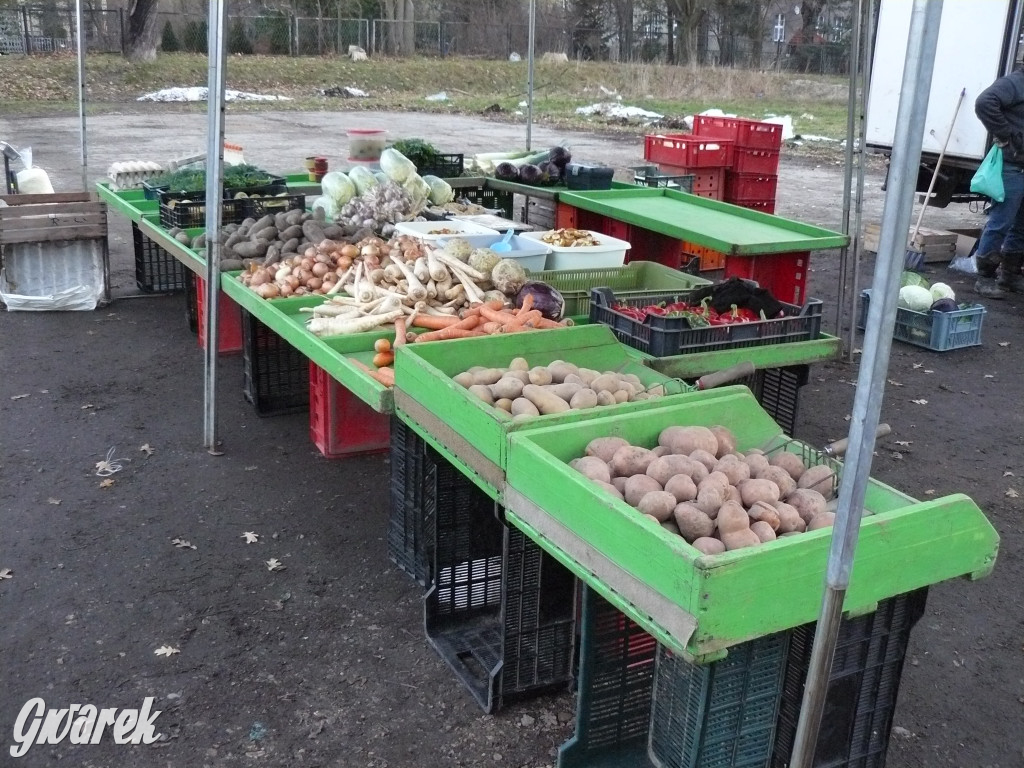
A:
(531, 255)
(430, 231)
(611, 252)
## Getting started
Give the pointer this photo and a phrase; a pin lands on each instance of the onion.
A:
(286, 290)
(306, 263)
(313, 283)
(304, 275)
(310, 252)
(344, 263)
(320, 269)
(324, 258)
(268, 291)
(349, 251)
(258, 279)
(292, 281)
(301, 291)
(370, 251)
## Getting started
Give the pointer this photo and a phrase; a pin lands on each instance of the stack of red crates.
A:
(752, 180)
(705, 158)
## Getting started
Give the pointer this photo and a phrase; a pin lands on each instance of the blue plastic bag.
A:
(988, 180)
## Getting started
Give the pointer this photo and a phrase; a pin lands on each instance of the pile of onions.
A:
(316, 271)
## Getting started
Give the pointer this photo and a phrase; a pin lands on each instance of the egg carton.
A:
(130, 174)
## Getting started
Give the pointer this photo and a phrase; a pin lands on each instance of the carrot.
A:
(434, 322)
(385, 376)
(545, 323)
(521, 320)
(382, 345)
(493, 315)
(527, 303)
(382, 359)
(475, 309)
(400, 332)
(449, 333)
(491, 327)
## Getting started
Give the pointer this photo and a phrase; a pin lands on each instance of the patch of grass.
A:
(817, 104)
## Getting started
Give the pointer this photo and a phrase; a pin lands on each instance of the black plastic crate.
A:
(718, 715)
(862, 687)
(501, 611)
(582, 177)
(258, 207)
(156, 270)
(668, 336)
(652, 176)
(153, 190)
(614, 687)
(444, 166)
(191, 303)
(778, 392)
(192, 212)
(276, 374)
(492, 199)
(413, 503)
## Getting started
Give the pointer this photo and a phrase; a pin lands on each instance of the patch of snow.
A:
(353, 91)
(440, 96)
(806, 116)
(787, 125)
(198, 93)
(522, 104)
(812, 137)
(514, 57)
(612, 109)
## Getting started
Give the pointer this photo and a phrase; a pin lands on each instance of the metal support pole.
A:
(530, 45)
(217, 64)
(867, 404)
(851, 136)
(80, 41)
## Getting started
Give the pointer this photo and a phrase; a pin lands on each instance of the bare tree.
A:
(688, 14)
(401, 38)
(141, 41)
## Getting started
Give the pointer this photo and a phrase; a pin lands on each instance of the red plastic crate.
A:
(229, 321)
(750, 186)
(707, 182)
(747, 160)
(688, 151)
(784, 274)
(751, 134)
(340, 424)
(764, 206)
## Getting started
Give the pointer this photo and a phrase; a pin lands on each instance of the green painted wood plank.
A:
(724, 227)
(696, 364)
(740, 595)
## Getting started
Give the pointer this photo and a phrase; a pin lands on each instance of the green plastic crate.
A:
(634, 281)
(702, 605)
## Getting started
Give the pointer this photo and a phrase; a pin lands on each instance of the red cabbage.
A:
(530, 174)
(545, 298)
(506, 172)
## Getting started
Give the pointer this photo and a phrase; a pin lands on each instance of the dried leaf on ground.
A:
(52, 500)
(146, 449)
(87, 406)
(922, 401)
(988, 376)
(250, 537)
(18, 397)
(894, 383)
(6, 573)
(1004, 343)
(930, 492)
(273, 564)
(904, 442)
(166, 650)
(106, 483)
(1008, 473)
(182, 544)
(1011, 493)
(918, 365)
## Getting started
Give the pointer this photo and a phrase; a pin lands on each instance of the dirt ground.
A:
(325, 663)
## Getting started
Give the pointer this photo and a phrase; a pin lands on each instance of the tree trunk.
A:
(142, 31)
(409, 29)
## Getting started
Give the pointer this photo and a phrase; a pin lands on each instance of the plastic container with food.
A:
(581, 248)
(366, 143)
(531, 254)
(431, 231)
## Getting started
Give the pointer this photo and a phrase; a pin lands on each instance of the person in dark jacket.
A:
(1000, 108)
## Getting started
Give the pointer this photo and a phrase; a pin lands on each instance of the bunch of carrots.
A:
(484, 319)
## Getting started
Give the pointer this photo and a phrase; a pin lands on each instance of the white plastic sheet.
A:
(58, 276)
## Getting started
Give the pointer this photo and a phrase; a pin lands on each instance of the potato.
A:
(752, 491)
(611, 489)
(465, 379)
(605, 398)
(764, 512)
(689, 439)
(807, 503)
(732, 493)
(621, 395)
(522, 376)
(737, 471)
(604, 447)
(619, 483)
(546, 402)
(692, 523)
(606, 382)
(564, 391)
(559, 369)
(781, 478)
(519, 364)
(661, 450)
(682, 487)
(731, 517)
(587, 376)
(582, 399)
(819, 478)
(539, 376)
(482, 392)
(708, 545)
(789, 518)
(740, 539)
(670, 526)
(664, 467)
(706, 458)
(631, 460)
(756, 461)
(822, 520)
(488, 376)
(637, 487)
(523, 407)
(658, 504)
(709, 500)
(593, 469)
(504, 404)
(719, 479)
(507, 386)
(790, 462)
(726, 439)
(572, 378)
(763, 531)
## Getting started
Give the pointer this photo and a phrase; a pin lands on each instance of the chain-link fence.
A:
(717, 40)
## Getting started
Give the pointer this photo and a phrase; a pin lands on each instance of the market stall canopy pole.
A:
(80, 42)
(867, 404)
(530, 54)
(214, 183)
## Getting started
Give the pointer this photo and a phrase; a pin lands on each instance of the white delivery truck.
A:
(979, 40)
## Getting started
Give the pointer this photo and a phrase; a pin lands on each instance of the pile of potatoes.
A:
(526, 391)
(695, 484)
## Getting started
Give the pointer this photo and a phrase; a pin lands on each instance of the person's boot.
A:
(1010, 278)
(986, 284)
